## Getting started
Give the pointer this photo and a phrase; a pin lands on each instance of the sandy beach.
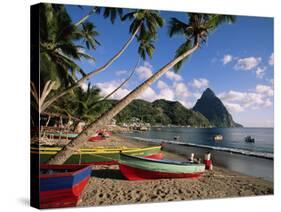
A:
(107, 186)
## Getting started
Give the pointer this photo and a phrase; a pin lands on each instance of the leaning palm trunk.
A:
(75, 144)
(83, 19)
(92, 73)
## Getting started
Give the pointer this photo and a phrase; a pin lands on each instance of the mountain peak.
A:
(208, 93)
(214, 110)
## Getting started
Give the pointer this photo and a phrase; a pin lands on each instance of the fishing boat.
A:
(96, 138)
(61, 185)
(100, 135)
(218, 137)
(140, 168)
(60, 135)
(97, 156)
(249, 139)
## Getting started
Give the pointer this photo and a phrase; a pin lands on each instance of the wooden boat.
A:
(60, 135)
(218, 137)
(249, 139)
(97, 156)
(139, 168)
(100, 135)
(61, 185)
(96, 138)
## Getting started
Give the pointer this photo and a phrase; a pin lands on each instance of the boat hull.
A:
(62, 189)
(131, 173)
(140, 168)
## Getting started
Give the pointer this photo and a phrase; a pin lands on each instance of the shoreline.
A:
(220, 158)
(107, 186)
(223, 149)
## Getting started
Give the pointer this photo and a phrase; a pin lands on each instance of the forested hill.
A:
(159, 112)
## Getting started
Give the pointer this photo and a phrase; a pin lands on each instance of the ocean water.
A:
(255, 159)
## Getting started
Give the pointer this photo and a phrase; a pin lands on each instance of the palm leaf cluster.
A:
(59, 45)
(147, 23)
(81, 103)
(195, 30)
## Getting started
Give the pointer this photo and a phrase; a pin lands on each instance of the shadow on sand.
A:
(108, 173)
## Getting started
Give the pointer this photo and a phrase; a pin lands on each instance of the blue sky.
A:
(236, 63)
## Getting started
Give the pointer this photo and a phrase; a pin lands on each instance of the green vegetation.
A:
(160, 112)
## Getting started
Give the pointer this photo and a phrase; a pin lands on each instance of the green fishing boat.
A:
(60, 134)
(140, 168)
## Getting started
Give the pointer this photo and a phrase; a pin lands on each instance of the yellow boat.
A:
(100, 155)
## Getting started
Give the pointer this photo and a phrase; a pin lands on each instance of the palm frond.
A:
(182, 49)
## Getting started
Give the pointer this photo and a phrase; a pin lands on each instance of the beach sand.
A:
(107, 186)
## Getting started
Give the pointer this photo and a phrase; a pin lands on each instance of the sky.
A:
(237, 63)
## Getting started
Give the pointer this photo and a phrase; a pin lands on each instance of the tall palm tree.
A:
(195, 32)
(144, 26)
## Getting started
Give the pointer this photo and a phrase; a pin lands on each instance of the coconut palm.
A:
(144, 26)
(195, 32)
(58, 50)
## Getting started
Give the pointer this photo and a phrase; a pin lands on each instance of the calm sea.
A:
(254, 159)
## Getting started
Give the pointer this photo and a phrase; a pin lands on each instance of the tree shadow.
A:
(107, 173)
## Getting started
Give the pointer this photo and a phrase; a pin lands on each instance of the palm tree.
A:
(195, 32)
(58, 50)
(144, 26)
(80, 103)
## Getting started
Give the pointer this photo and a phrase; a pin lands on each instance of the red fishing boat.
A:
(61, 185)
(100, 135)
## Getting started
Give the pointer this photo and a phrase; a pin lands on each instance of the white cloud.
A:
(144, 71)
(121, 72)
(268, 103)
(149, 95)
(161, 84)
(264, 89)
(271, 59)
(234, 107)
(167, 93)
(197, 95)
(238, 101)
(260, 72)
(232, 96)
(247, 63)
(200, 83)
(173, 76)
(227, 59)
(108, 87)
(181, 89)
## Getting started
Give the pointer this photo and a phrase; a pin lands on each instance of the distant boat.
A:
(139, 168)
(176, 138)
(218, 137)
(249, 139)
